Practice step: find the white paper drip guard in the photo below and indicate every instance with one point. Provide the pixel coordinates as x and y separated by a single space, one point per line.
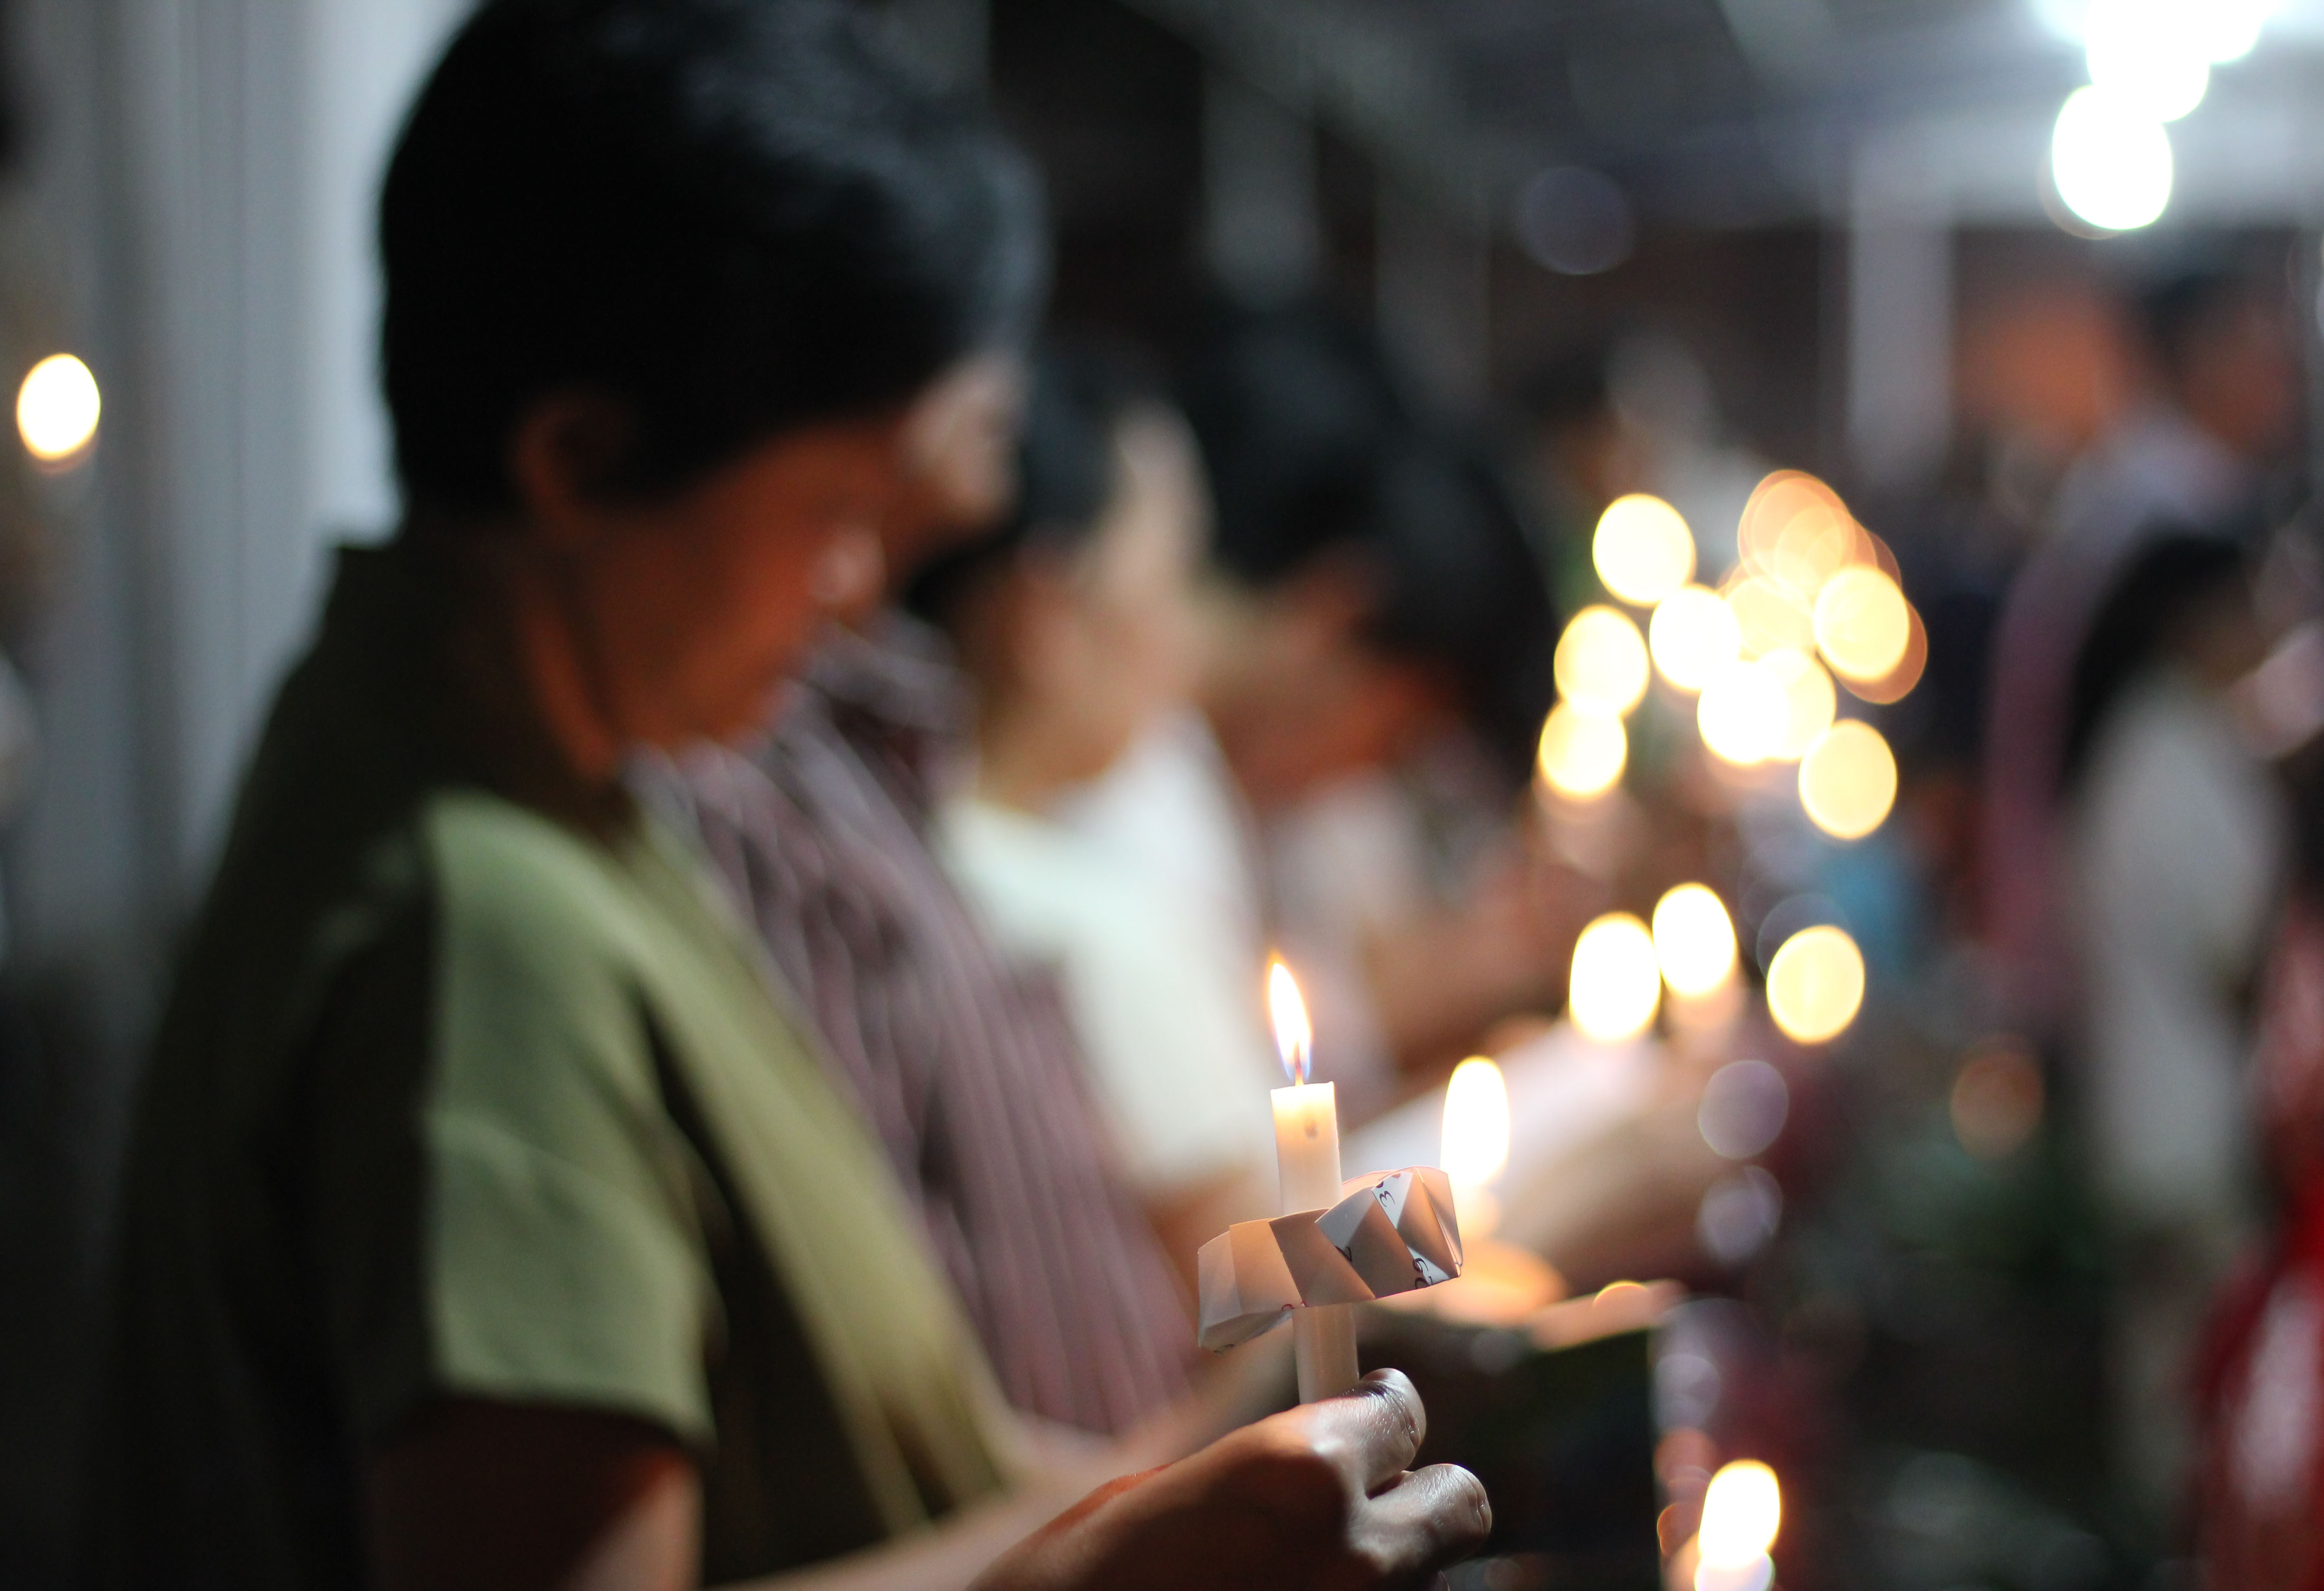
1391 1232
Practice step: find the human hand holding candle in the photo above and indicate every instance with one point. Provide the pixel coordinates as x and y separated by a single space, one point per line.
1307 1171
1311 1497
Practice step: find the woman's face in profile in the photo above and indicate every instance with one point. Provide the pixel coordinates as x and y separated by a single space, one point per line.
688 611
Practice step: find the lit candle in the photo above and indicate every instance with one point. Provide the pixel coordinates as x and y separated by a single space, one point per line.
1307 1169
1476 1143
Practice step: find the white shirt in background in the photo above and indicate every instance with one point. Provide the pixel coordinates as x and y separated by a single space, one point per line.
1159 968
2182 847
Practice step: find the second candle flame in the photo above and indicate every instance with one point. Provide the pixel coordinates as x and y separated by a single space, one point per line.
1294 1037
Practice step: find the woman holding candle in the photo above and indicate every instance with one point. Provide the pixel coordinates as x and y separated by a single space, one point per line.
488 1225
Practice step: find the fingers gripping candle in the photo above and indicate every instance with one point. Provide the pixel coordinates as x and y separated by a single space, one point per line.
1308 1168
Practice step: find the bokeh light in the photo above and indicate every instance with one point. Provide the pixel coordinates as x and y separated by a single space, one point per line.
1997 1097
1694 939
1816 545
1899 681
1743 713
1861 623
1615 984
2229 29
1575 220
1643 549
2151 56
1847 780
1815 984
1601 661
1738 1217
1769 614
1742 1514
1582 752
1743 1109
1809 702
1792 506
1693 635
1476 1145
57 408
2111 163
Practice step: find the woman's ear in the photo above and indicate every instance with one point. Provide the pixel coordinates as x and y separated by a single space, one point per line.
568 451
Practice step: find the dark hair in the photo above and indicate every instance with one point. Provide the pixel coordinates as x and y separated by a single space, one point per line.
1293 410
1461 584
2174 576
1067 473
732 216
1312 453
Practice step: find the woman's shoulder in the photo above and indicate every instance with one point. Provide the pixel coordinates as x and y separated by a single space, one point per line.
538 896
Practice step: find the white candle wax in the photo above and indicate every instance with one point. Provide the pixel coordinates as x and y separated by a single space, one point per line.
1308 1146
1308 1168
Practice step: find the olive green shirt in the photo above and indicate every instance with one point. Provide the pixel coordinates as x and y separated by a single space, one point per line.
456 1097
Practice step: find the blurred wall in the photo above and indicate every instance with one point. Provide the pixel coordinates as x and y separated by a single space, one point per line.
201 174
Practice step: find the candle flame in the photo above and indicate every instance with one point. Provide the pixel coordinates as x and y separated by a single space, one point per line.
1741 1514
1295 1039
1476 1145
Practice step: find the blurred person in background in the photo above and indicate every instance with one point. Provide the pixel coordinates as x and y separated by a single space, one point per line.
1579 453
1369 603
2179 841
488 1223
1638 414
1075 620
2221 414
2261 1382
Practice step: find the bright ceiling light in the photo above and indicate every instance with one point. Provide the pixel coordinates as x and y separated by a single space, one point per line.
2111 165
2225 30
2230 29
2152 55
2069 20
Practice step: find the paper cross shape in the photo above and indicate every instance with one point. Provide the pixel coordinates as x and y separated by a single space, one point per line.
1391 1232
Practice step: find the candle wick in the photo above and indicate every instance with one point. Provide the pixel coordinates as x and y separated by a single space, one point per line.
1311 1129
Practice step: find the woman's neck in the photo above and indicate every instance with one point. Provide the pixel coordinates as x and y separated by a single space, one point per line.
1016 767
539 723
555 660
